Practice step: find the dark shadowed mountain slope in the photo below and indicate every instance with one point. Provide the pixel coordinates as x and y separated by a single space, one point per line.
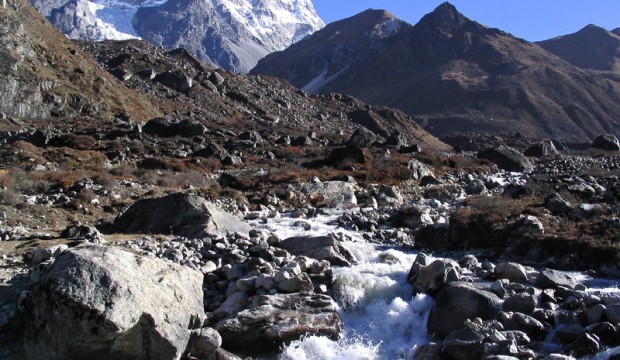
45 75
338 48
453 74
590 48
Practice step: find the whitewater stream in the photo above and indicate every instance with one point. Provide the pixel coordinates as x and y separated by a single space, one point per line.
381 317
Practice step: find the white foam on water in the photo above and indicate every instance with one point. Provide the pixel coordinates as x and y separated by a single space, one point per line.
381 317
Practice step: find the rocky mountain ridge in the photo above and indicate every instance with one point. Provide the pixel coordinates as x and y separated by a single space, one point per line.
589 48
232 34
50 77
455 75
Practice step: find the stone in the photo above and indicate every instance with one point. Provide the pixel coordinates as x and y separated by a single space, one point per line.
542 148
176 80
432 278
40 255
549 278
216 78
409 149
595 313
347 156
557 205
430 351
421 260
319 248
419 170
332 194
101 302
475 187
292 283
522 322
530 225
205 343
122 74
457 302
363 138
270 321
463 345
607 142
507 158
612 312
180 214
389 196
468 262
512 271
411 217
585 344
83 232
170 128
523 303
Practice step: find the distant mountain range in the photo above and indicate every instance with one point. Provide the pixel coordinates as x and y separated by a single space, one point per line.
590 48
232 34
453 74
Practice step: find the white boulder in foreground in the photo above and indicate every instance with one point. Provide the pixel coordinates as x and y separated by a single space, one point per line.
101 302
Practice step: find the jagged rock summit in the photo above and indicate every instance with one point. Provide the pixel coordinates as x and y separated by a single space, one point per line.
232 34
453 75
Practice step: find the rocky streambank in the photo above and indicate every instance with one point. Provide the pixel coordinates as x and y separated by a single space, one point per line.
250 288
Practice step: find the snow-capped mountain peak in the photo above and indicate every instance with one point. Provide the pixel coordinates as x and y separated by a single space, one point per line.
233 34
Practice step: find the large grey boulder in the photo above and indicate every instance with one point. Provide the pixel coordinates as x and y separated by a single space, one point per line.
100 302
542 148
180 214
319 247
457 302
512 271
176 80
171 128
463 345
507 158
607 142
332 194
363 138
432 278
549 278
270 321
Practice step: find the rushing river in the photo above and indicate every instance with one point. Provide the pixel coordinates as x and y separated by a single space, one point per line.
381 317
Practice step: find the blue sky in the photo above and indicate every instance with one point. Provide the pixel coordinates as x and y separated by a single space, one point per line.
532 20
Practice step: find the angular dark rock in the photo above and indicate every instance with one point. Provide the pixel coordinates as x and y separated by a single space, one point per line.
166 128
363 138
463 345
457 302
549 278
523 303
607 142
271 321
176 80
180 214
507 158
320 248
542 148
